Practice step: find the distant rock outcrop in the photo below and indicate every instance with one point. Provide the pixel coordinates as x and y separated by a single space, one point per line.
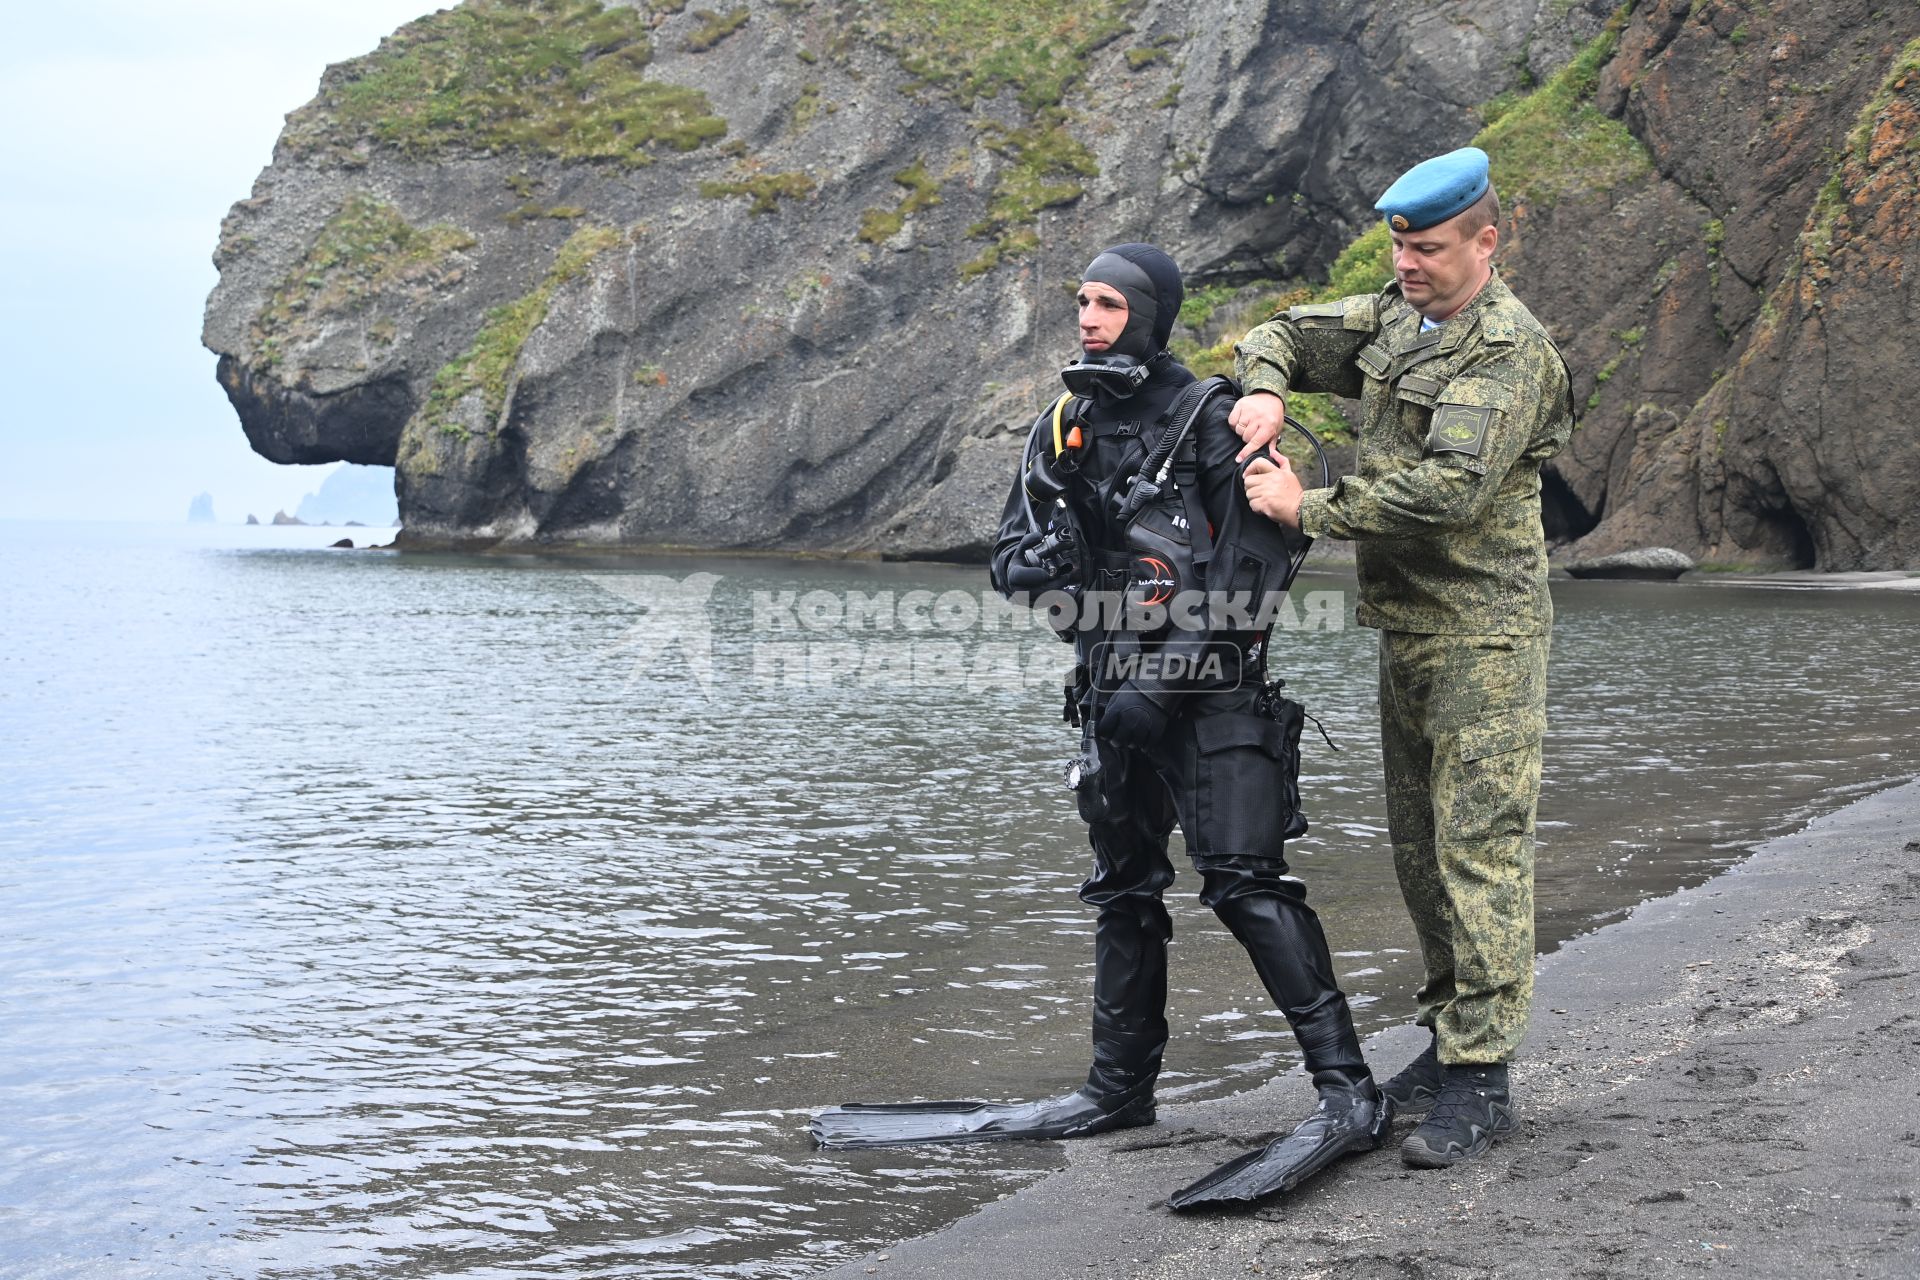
352 494
281 517
795 275
200 510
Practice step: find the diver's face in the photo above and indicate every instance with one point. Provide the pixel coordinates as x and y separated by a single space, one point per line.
1103 314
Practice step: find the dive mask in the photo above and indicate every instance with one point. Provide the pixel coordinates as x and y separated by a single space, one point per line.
1118 376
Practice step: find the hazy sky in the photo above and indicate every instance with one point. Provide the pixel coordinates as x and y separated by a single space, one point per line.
127 127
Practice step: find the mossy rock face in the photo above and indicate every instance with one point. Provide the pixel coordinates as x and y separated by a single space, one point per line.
486 367
365 251
975 49
715 27
1046 167
880 225
765 190
978 50
563 78
906 178
1554 142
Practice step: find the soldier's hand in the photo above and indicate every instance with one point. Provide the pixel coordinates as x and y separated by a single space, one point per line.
1257 419
1273 489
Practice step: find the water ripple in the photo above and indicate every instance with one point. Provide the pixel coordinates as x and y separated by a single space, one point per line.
367 916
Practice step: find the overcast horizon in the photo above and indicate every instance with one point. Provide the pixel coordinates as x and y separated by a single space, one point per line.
148 126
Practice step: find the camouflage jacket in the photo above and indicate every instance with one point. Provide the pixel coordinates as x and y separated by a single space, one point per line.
1455 423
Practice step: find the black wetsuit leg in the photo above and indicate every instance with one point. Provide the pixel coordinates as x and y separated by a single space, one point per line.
1221 763
1219 766
1130 938
1130 873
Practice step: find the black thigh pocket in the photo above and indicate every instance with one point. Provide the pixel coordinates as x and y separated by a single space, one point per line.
1249 783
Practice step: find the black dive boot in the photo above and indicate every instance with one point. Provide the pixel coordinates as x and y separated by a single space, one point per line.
1472 1110
1269 915
1415 1086
1129 1037
1352 1116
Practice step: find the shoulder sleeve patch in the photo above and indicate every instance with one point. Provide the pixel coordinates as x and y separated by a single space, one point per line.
1459 428
1360 313
1316 311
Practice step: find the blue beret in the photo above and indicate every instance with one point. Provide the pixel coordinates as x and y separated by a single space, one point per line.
1434 190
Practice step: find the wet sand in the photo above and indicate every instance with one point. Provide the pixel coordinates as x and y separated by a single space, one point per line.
1724 1080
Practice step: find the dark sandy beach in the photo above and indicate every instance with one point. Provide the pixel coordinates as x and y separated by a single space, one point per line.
1726 1079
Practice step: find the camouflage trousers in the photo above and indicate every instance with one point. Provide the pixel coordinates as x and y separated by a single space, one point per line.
1461 719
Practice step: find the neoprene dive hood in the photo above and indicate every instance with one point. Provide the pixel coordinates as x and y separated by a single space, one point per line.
1150 282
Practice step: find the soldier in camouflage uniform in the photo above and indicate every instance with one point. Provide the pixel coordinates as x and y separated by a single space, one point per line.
1463 397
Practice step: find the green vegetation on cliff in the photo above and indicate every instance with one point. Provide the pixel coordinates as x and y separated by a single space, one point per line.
880 225
1858 160
487 365
554 77
1364 266
363 250
766 190
975 49
1553 142
1044 166
715 27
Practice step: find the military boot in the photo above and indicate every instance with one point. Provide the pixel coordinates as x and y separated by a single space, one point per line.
1471 1111
1415 1086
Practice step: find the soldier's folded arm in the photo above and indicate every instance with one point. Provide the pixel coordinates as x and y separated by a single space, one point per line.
1482 422
1308 348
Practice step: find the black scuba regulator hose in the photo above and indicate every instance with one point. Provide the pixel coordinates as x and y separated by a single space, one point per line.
1326 480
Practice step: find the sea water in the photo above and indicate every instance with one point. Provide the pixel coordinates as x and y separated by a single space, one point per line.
374 914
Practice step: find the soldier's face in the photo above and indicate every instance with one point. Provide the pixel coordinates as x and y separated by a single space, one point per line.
1103 314
1441 268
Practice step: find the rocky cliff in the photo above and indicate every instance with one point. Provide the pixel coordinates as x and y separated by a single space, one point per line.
796 274
1737 315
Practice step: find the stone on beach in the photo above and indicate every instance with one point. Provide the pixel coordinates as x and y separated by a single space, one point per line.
1653 563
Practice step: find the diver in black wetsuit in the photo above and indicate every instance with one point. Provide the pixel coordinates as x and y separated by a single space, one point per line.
1129 503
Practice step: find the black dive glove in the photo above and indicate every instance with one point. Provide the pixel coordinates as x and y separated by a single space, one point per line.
1050 575
1132 719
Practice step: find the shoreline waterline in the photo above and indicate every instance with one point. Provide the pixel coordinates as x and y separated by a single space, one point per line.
1674 1052
1331 559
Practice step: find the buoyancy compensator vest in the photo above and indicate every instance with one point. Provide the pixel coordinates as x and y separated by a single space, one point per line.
1124 500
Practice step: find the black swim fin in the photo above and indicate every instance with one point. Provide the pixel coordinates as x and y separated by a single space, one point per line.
1346 1121
900 1124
